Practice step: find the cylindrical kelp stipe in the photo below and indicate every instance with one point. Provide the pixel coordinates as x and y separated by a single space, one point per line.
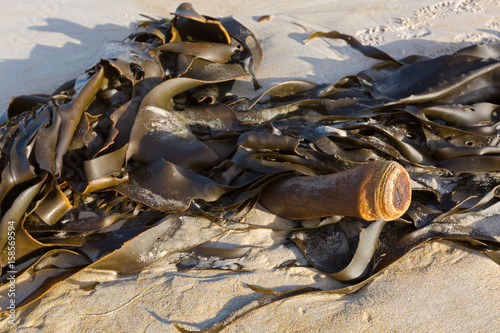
377 191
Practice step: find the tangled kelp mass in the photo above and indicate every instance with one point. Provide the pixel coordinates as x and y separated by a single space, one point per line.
149 139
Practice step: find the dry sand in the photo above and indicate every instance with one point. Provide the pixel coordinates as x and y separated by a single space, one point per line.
436 288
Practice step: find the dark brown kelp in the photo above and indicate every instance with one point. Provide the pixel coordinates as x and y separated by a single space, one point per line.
113 164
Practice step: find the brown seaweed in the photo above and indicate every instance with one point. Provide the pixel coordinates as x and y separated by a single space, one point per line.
119 162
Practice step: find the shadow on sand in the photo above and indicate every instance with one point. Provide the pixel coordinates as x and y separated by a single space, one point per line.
47 67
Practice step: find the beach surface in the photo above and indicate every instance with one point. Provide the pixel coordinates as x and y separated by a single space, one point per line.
438 287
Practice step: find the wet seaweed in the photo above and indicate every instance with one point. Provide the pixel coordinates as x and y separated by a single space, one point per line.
111 169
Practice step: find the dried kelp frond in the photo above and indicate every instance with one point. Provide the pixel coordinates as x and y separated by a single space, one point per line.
146 154
83 169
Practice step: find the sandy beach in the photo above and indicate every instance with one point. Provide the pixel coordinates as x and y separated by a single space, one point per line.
438 287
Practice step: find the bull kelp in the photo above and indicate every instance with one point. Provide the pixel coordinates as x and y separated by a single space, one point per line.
149 139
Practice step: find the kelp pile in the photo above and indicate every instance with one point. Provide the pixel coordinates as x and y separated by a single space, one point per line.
119 160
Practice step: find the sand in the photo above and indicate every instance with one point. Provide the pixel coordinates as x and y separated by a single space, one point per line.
436 288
